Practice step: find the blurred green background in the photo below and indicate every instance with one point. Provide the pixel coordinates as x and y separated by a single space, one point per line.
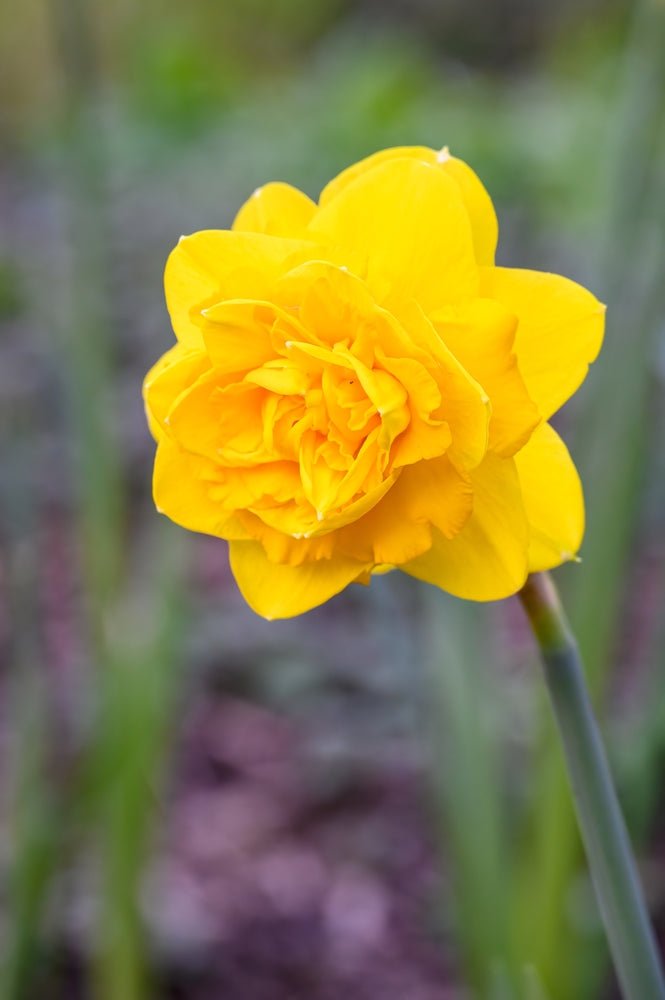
367 802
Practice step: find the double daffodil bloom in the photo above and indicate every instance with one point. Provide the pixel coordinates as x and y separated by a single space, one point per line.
357 387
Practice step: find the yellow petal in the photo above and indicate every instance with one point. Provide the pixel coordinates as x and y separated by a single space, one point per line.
338 184
175 372
331 493
332 302
487 560
465 405
484 224
406 232
282 548
275 209
553 499
559 332
241 334
218 264
238 489
424 437
280 591
181 491
337 307
223 424
235 336
280 376
399 528
481 334
299 521
478 204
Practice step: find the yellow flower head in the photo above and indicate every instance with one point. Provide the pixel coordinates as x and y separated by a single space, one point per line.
355 386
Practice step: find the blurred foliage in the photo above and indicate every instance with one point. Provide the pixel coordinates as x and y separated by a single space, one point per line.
139 691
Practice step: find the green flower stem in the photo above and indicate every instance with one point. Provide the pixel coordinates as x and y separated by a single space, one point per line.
601 823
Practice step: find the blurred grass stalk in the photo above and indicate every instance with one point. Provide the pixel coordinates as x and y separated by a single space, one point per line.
135 645
643 735
610 440
35 832
34 804
466 790
138 686
89 349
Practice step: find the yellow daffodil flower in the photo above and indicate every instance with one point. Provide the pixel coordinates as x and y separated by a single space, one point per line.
357 387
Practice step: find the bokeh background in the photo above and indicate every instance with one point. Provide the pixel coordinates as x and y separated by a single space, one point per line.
366 802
